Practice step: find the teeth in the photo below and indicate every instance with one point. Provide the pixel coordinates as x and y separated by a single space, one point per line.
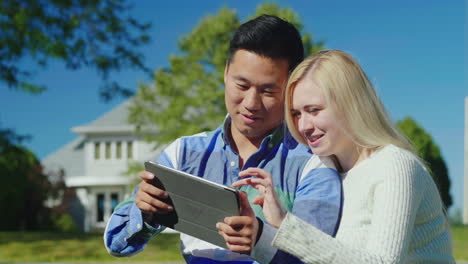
313 138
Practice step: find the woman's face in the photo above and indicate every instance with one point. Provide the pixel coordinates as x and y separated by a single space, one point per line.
315 121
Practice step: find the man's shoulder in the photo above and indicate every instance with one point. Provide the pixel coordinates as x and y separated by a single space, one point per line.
201 138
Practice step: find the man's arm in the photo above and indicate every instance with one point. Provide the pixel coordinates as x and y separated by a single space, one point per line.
318 198
127 233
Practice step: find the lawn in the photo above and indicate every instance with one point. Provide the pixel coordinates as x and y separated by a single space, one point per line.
58 247
460 242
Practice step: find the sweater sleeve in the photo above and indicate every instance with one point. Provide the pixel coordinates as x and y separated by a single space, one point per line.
395 202
317 202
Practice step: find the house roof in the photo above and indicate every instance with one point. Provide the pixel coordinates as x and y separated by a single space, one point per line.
114 121
70 158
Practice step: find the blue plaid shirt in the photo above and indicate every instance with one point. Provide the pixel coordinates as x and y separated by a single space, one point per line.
307 187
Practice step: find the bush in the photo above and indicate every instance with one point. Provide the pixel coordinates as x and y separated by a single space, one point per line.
64 223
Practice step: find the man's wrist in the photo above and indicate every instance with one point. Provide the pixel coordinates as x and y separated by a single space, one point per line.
147 217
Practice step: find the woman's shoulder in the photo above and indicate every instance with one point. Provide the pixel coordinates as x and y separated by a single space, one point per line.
397 161
392 154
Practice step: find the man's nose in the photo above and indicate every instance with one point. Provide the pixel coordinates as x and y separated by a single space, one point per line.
252 99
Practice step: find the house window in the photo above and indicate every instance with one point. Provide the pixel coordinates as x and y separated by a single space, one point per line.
114 201
97 151
100 207
108 150
118 153
130 150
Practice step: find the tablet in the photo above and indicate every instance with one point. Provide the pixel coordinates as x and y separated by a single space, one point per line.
198 203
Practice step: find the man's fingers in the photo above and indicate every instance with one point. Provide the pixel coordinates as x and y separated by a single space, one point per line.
235 240
234 230
154 191
146 175
239 248
246 209
259 199
148 208
238 220
157 205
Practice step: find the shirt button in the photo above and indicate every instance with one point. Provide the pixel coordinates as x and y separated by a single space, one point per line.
233 164
138 226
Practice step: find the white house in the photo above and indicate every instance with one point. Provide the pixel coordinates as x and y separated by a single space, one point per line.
95 162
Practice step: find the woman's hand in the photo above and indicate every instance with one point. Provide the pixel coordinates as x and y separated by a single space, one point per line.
261 180
240 232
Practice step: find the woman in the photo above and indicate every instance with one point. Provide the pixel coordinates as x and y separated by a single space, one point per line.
392 211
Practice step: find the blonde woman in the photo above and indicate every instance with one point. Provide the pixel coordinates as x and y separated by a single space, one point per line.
392 211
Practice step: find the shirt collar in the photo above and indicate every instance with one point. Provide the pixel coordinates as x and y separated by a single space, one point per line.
273 139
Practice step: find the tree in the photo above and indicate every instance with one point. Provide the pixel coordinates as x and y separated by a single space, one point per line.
430 153
24 187
81 33
187 97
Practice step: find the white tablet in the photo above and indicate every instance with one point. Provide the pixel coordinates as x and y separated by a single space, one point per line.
198 203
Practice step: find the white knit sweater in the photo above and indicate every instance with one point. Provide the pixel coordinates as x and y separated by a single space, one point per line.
392 213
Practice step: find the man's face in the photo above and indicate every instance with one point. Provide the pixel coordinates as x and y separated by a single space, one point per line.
254 93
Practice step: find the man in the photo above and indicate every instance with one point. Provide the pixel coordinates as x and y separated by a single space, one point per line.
262 53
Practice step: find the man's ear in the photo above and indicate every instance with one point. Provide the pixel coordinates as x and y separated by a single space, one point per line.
226 69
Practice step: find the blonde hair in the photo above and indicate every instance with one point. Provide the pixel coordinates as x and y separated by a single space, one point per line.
352 99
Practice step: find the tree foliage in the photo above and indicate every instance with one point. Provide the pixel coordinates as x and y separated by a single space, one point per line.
24 187
82 33
187 97
430 153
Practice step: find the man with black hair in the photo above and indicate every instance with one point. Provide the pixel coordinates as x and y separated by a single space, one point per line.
262 53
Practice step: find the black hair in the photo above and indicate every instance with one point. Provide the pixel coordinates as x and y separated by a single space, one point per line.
271 37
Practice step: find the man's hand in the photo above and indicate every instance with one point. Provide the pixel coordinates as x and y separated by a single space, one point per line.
240 232
149 198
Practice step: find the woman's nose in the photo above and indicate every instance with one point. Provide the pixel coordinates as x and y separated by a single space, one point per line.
305 123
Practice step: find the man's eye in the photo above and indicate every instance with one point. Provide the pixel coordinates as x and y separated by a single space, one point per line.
242 86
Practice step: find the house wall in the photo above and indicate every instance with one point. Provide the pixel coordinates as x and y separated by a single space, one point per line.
109 166
110 169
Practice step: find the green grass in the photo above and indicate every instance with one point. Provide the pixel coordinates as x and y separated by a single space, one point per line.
460 242
58 247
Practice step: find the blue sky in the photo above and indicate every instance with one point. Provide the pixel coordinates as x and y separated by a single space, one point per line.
413 51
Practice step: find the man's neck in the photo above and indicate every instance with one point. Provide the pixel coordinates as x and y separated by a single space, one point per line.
245 146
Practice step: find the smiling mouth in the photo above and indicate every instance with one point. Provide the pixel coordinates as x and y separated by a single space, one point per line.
314 138
250 119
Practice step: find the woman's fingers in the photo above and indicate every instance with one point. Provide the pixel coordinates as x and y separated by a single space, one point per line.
258 184
256 172
242 182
